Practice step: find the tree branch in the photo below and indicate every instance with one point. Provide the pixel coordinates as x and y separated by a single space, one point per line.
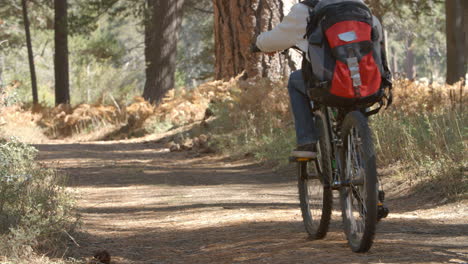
194 5
202 10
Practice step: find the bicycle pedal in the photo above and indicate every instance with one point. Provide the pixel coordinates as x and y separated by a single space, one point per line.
296 159
382 211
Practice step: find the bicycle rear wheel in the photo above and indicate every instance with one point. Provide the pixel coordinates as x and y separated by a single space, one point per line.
359 199
315 194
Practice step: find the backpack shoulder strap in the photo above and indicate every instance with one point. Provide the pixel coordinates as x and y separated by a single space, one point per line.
310 3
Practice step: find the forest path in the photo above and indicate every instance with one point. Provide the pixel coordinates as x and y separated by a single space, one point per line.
144 204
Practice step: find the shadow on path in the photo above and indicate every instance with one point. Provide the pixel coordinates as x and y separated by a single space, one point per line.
282 242
125 164
146 205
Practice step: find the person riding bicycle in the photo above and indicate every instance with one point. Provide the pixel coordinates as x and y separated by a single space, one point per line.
291 32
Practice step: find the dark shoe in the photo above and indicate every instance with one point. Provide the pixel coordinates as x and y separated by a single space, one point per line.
306 151
382 211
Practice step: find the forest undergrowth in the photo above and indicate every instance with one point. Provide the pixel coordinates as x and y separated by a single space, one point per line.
36 210
422 137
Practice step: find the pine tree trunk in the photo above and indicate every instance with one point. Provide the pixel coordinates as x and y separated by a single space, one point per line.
410 67
62 86
237 23
394 63
162 22
149 67
465 25
32 69
456 40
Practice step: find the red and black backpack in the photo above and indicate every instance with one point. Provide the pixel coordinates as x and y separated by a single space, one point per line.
345 65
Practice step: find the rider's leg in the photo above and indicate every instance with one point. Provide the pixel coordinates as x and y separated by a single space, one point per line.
306 133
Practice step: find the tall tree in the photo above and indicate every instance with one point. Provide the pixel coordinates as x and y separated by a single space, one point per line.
237 23
465 22
32 68
162 22
417 7
196 41
457 58
62 86
410 60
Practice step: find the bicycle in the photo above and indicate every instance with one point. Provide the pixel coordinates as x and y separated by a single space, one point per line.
345 162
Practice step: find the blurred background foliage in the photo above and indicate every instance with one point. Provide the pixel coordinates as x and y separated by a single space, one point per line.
106 49
107 46
417 42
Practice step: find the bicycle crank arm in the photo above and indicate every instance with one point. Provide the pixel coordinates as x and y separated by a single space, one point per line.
339 184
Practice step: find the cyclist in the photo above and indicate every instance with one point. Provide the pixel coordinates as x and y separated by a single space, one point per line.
290 32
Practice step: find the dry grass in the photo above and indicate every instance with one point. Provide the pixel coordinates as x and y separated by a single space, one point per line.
14 121
22 124
181 107
65 121
254 119
425 133
118 120
416 97
39 260
426 119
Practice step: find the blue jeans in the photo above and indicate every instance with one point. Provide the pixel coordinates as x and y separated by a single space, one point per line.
306 132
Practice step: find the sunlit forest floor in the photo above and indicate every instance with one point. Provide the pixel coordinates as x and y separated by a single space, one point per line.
194 180
145 204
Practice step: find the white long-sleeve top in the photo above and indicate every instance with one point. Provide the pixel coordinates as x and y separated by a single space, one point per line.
288 33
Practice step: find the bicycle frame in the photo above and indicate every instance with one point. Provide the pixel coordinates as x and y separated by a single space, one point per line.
334 118
336 142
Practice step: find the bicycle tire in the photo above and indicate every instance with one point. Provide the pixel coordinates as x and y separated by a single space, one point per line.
359 165
315 194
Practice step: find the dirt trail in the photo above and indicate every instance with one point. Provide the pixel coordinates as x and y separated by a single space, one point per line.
146 205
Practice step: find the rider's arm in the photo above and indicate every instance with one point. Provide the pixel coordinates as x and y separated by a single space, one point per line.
286 34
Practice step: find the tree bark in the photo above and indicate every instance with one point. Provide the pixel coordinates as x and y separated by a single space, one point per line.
465 31
162 22
62 86
456 40
237 23
395 70
32 68
149 66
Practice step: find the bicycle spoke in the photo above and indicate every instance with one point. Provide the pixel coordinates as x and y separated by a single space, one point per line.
315 191
315 199
354 170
